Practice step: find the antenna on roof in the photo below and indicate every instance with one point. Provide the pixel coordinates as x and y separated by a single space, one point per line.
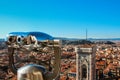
86 34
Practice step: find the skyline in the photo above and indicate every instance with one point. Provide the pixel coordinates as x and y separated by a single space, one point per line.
64 18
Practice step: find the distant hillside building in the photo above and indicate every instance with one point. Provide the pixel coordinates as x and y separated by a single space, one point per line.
85 63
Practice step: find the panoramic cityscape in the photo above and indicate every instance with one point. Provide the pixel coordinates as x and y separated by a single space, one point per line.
60 40
102 60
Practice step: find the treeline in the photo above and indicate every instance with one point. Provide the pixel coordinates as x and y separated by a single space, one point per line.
78 42
104 42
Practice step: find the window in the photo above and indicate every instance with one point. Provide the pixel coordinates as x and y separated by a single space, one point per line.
84 71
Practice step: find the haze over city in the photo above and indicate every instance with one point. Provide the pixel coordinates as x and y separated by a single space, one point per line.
61 18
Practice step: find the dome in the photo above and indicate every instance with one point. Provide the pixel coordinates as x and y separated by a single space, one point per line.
39 35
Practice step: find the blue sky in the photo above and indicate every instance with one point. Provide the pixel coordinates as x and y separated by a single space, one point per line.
61 18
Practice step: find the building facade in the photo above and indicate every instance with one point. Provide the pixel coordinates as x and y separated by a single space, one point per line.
85 63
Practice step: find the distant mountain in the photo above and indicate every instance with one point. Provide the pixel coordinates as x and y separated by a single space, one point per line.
63 38
91 39
76 41
104 39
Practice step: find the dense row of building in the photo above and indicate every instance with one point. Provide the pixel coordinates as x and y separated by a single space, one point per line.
107 63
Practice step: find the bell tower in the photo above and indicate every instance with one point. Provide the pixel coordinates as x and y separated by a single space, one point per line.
85 63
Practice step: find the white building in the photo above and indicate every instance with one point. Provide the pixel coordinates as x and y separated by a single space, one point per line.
85 63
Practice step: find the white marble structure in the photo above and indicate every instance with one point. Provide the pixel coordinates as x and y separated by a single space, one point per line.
85 63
